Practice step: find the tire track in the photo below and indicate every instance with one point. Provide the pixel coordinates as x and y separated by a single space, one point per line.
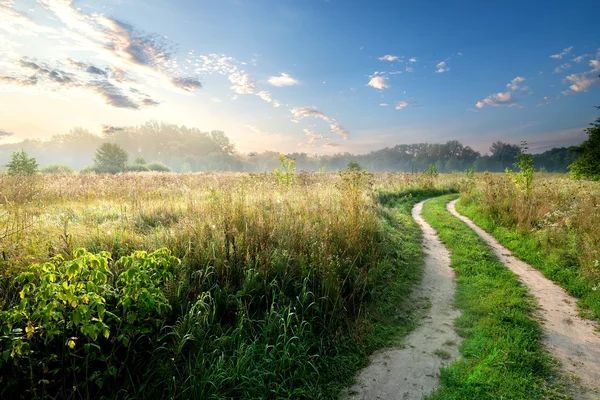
413 371
574 341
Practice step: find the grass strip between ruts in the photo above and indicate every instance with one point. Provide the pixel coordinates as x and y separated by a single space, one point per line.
502 351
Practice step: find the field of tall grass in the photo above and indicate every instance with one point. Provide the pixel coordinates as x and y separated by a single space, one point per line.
216 285
554 227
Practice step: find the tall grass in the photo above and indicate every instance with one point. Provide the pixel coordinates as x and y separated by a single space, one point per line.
275 291
556 227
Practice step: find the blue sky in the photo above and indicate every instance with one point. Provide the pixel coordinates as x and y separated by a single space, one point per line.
304 75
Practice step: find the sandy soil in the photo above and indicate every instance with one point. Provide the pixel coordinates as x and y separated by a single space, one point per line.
413 371
574 341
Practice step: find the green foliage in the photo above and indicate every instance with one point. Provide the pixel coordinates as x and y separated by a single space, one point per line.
57 169
79 320
21 164
136 168
587 165
353 165
285 175
429 177
110 158
503 355
88 170
158 167
523 179
139 161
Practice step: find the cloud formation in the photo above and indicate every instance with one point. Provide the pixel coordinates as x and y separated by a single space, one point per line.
125 50
563 53
545 100
562 68
402 105
378 82
390 58
313 138
506 99
300 113
586 80
282 80
4 134
442 67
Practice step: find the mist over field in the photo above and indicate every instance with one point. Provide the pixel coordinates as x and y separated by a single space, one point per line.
185 149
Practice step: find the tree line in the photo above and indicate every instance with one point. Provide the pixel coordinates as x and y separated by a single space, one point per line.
182 149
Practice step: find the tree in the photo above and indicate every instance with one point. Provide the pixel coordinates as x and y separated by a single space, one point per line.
503 155
139 161
110 158
587 165
353 166
22 164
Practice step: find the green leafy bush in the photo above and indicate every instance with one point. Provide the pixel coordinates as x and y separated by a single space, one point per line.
158 167
57 169
79 320
136 168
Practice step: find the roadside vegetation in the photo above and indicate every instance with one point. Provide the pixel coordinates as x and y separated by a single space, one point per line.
555 227
153 285
503 355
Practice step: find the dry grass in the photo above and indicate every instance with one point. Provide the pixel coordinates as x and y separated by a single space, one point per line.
560 213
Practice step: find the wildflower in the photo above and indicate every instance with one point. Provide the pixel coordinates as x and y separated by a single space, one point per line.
213 226
278 201
108 233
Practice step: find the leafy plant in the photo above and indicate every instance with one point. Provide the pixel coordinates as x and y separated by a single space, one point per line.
285 175
57 169
22 164
80 318
523 179
158 167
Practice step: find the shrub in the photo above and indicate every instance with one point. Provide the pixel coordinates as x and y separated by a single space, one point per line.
88 170
78 321
57 169
136 168
158 167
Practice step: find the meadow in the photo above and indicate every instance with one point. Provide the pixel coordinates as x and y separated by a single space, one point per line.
205 285
271 285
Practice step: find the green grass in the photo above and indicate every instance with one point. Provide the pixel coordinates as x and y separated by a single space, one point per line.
502 351
551 261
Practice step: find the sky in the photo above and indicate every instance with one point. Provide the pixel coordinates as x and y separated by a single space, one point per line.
314 76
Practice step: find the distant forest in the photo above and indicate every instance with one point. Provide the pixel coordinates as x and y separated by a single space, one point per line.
191 150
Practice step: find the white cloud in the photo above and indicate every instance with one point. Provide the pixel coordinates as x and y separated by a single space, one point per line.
441 67
584 81
581 58
409 69
497 99
300 113
514 83
215 99
312 137
403 104
561 68
255 129
563 53
283 80
378 82
384 104
545 101
266 96
413 59
390 58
